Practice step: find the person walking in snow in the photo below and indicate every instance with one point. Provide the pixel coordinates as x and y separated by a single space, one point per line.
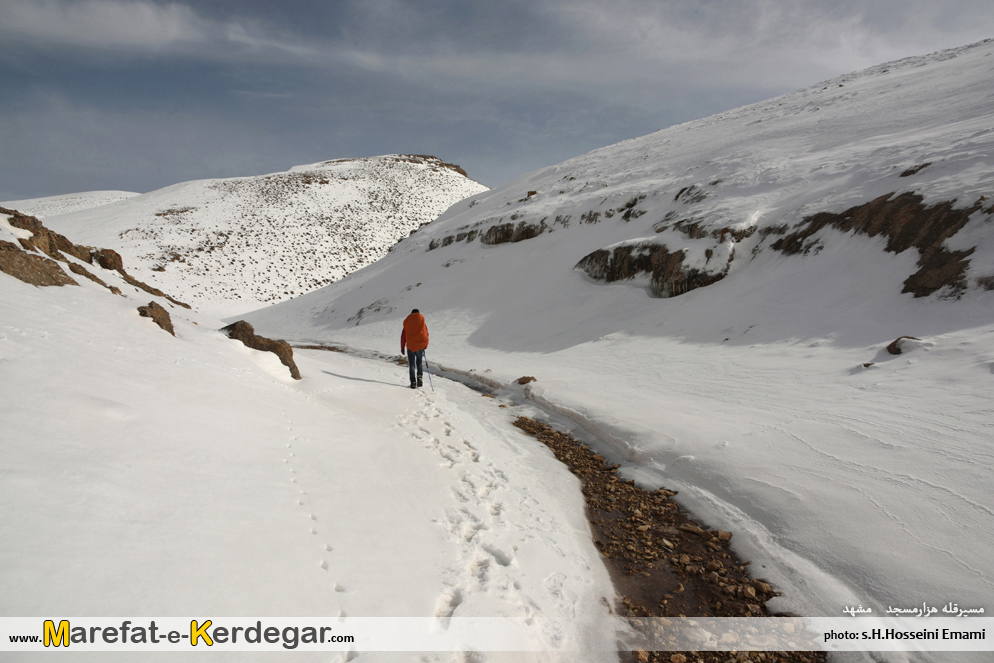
415 337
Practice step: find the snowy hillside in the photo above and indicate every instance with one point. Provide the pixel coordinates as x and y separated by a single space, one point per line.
712 303
67 203
150 474
231 245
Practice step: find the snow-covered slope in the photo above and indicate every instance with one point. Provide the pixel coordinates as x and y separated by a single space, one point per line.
231 245
67 203
758 262
145 474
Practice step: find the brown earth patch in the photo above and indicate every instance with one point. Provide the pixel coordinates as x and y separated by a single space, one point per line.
907 222
243 331
663 563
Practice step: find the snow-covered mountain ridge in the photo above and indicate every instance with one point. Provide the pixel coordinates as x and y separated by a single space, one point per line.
689 204
42 208
231 245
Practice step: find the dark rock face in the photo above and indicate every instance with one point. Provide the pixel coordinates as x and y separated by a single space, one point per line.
895 346
907 222
159 315
668 277
109 259
244 332
31 267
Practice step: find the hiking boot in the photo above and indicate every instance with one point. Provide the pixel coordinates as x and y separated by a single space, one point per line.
414 386
419 380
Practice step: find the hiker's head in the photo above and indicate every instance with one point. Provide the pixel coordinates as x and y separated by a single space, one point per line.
415 311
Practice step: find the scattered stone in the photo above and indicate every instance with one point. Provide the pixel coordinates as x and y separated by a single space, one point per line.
678 658
641 655
525 379
244 332
159 315
659 577
895 346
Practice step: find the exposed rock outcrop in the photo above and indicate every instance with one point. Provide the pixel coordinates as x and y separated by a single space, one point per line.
150 290
44 240
31 267
907 222
244 332
668 276
57 247
76 268
108 259
509 232
159 315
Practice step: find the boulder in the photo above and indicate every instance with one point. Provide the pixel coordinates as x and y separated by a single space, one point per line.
895 346
159 315
244 332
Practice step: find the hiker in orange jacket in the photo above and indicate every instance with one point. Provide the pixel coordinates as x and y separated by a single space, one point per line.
415 337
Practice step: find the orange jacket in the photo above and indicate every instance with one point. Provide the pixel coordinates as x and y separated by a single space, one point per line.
415 334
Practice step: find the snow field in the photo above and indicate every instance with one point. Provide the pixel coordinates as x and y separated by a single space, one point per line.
146 474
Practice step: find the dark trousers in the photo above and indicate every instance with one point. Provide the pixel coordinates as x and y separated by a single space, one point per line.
412 358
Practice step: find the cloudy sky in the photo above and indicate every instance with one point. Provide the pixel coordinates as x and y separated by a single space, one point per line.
139 94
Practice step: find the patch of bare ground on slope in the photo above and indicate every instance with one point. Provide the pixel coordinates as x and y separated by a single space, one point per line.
662 562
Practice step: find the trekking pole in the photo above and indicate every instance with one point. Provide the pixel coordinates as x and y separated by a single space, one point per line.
428 370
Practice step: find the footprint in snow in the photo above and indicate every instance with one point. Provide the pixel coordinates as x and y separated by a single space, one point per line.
447 602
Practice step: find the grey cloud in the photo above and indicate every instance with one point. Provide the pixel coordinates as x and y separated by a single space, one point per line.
500 86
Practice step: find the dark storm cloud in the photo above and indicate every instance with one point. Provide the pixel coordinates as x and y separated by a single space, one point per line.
135 94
